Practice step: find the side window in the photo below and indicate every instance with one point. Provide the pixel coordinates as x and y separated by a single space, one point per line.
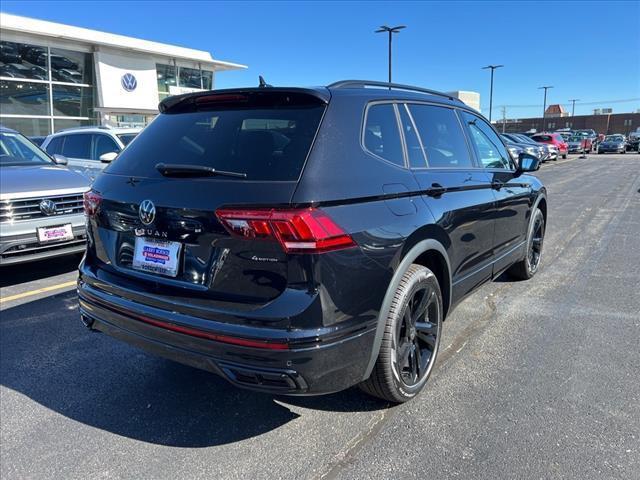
442 136
103 144
77 146
381 135
489 148
55 145
414 149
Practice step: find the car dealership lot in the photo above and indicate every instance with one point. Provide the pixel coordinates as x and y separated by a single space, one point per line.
541 382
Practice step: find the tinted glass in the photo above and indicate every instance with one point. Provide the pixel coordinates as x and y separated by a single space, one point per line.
77 146
166 77
489 148
71 67
16 150
55 145
72 101
103 144
190 78
414 149
381 135
207 80
264 143
24 98
542 138
125 138
27 126
23 60
442 137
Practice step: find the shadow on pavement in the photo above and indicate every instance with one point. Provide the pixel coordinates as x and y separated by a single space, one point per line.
88 377
28 272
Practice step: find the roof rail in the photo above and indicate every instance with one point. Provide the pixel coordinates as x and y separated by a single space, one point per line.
390 86
84 127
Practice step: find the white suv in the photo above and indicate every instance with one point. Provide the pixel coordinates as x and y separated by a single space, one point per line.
89 149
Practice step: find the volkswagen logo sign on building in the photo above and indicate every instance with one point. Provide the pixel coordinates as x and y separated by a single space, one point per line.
129 82
48 207
147 212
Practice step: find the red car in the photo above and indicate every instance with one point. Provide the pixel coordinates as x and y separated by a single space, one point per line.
553 139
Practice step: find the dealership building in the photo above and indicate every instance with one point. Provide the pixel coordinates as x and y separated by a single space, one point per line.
55 76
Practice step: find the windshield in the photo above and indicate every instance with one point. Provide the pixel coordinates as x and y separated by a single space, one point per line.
126 138
575 139
613 138
267 144
17 150
543 138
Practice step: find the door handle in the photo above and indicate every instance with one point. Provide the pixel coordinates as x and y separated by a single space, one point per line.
435 190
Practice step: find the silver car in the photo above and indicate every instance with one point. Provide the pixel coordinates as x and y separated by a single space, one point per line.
41 203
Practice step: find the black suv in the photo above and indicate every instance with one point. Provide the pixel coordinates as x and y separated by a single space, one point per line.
301 241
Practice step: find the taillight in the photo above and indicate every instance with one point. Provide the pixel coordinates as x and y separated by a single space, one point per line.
306 230
92 201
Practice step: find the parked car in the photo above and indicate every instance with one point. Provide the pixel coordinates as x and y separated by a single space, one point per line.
554 139
633 142
544 151
591 134
41 204
37 140
613 144
231 235
89 149
579 144
516 147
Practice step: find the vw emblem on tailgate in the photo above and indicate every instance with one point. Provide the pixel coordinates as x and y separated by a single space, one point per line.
48 207
147 212
129 82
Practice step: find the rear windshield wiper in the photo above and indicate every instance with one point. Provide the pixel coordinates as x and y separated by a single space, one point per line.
178 170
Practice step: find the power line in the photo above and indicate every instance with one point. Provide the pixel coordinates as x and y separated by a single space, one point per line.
599 102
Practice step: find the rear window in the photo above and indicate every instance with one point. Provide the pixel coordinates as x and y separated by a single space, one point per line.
126 138
542 138
267 144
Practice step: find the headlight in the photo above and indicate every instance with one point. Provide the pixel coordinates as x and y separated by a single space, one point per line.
530 150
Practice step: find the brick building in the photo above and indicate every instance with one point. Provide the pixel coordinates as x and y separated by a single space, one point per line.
612 123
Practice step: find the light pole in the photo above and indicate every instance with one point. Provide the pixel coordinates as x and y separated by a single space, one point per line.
390 31
492 67
544 108
573 105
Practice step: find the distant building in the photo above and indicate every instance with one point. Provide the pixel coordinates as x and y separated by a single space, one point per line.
603 111
472 99
554 111
623 123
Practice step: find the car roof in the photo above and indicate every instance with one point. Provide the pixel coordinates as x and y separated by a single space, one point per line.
4 129
98 129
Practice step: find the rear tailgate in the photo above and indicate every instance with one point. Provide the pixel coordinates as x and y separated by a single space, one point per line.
158 233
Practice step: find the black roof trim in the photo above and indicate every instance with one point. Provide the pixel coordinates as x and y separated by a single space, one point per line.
390 86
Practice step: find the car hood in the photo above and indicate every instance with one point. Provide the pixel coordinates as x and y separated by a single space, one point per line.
40 180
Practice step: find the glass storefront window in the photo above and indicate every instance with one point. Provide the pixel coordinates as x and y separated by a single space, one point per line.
71 67
24 98
22 60
190 78
207 80
62 123
71 101
166 77
30 127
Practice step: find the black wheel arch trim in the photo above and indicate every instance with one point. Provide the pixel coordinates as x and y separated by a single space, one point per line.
409 258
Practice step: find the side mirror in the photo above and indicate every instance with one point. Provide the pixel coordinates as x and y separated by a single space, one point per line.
108 157
60 159
528 163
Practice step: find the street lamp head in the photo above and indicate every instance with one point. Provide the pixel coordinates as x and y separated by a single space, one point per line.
385 28
492 67
545 87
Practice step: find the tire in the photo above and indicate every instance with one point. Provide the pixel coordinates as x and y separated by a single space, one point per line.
528 266
564 156
412 330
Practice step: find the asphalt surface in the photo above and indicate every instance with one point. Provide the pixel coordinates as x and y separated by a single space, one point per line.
536 379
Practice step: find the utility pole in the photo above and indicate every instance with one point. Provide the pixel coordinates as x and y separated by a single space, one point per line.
492 67
544 108
573 105
390 31
504 117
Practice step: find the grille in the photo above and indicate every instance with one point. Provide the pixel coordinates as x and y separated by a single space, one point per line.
29 208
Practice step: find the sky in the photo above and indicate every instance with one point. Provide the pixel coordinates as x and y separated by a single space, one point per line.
587 50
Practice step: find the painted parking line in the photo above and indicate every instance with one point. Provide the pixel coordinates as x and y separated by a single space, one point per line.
30 293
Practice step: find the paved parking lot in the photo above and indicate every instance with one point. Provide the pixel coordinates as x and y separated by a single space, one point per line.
537 379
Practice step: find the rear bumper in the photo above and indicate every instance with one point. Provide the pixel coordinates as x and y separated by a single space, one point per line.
312 362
